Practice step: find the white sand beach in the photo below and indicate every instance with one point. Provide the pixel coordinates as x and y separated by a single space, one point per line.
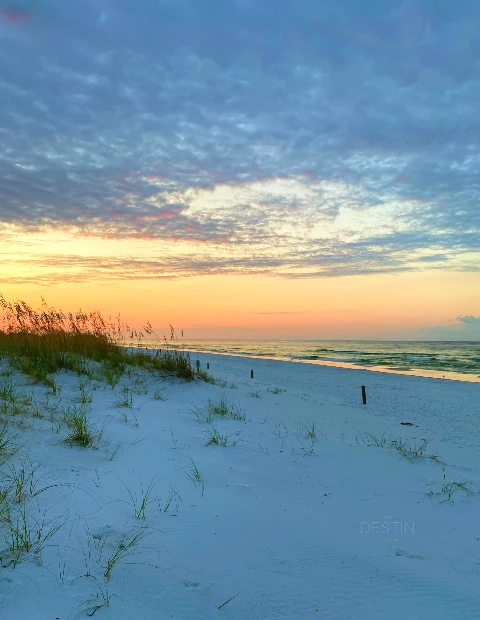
299 516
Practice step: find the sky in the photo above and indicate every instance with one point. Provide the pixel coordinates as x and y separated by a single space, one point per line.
245 168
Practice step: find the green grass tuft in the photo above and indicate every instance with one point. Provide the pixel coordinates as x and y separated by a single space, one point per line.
402 446
81 430
215 438
451 489
194 474
126 400
224 408
140 503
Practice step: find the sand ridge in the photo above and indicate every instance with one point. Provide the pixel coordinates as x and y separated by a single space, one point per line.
298 517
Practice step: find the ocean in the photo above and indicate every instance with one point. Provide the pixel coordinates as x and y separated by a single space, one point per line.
453 360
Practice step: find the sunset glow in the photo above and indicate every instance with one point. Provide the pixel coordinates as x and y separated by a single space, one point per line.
298 190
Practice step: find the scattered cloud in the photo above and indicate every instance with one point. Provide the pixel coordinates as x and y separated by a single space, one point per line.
312 141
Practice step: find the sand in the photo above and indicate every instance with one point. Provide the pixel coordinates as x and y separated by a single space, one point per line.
283 524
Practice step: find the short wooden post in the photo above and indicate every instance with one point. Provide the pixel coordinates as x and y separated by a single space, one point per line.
198 366
251 374
364 395
208 366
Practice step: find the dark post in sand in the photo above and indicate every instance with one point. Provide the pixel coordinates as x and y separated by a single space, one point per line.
251 374
364 395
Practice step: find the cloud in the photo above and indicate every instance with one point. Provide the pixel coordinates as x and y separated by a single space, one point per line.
469 319
246 128
296 312
466 328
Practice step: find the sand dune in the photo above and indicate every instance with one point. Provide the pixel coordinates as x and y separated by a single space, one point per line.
299 515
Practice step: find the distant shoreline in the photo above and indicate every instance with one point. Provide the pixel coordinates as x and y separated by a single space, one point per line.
414 372
426 374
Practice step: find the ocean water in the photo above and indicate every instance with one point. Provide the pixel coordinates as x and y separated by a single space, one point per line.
435 359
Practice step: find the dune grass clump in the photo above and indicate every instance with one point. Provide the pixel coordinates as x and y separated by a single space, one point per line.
170 361
215 438
225 409
203 415
112 371
209 378
24 534
81 431
126 399
454 488
310 430
410 451
8 448
41 343
23 482
194 473
141 502
13 402
85 395
221 408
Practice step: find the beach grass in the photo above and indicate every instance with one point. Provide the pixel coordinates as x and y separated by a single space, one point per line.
219 408
225 408
24 534
141 502
209 378
8 447
124 549
101 598
451 489
43 342
172 494
126 399
81 430
194 473
215 438
402 446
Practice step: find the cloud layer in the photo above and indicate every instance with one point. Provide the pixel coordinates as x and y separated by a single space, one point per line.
300 139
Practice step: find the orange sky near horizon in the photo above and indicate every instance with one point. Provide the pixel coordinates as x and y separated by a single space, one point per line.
377 306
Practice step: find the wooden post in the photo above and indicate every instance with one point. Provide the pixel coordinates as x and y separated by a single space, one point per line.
198 365
364 395
251 374
208 366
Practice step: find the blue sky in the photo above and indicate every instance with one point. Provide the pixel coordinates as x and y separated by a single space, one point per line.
296 138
